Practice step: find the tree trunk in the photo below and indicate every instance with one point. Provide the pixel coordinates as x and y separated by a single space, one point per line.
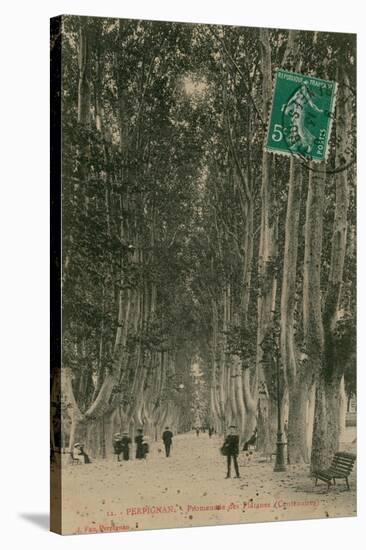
250 401
326 421
342 411
297 440
268 239
331 370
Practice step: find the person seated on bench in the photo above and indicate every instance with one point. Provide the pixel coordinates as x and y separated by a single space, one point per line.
80 455
74 453
251 442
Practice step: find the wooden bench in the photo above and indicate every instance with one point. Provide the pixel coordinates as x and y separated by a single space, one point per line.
341 468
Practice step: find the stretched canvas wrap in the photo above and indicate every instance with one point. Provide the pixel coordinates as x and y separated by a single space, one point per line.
203 271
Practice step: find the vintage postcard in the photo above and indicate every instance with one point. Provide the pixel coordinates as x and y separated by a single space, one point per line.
203 275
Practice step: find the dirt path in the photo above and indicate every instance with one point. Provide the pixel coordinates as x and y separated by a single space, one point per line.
190 489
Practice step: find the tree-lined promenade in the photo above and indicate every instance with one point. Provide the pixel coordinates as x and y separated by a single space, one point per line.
190 489
193 261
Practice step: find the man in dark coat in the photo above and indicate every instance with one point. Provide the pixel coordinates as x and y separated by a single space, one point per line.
145 446
125 444
139 444
83 454
117 445
231 450
168 439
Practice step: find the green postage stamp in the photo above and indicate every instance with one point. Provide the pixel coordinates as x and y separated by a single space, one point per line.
301 115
